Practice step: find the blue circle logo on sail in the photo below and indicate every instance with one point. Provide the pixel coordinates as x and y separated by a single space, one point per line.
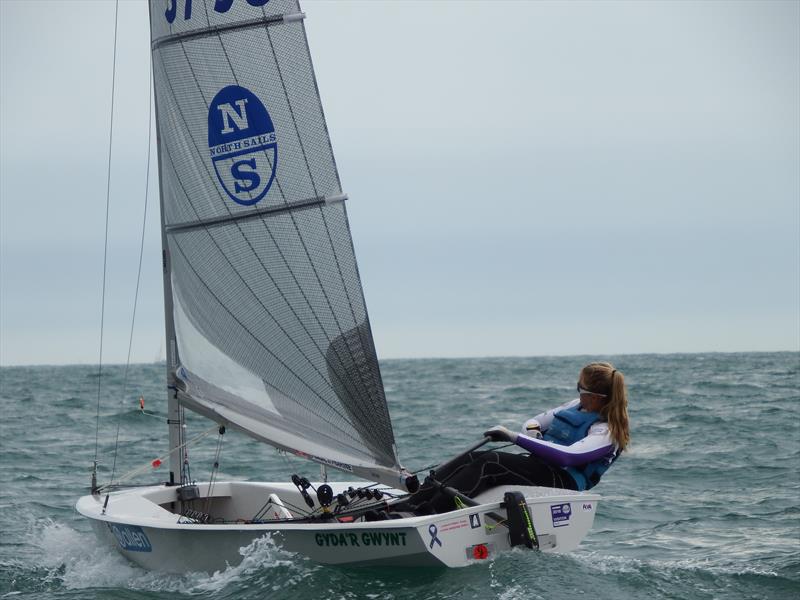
242 144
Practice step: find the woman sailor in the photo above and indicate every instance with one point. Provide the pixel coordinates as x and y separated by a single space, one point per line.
570 446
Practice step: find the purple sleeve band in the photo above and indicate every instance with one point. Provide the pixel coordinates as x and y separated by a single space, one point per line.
558 456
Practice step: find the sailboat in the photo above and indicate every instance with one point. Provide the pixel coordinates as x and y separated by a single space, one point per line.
267 330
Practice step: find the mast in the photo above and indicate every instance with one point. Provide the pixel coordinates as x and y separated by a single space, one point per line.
174 421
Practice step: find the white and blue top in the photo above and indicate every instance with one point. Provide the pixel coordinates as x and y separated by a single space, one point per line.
573 439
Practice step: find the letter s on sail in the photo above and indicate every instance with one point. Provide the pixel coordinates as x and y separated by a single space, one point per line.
250 176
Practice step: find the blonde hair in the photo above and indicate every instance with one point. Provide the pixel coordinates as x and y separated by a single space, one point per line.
603 378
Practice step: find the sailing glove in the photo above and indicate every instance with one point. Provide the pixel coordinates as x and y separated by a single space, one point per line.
533 429
498 433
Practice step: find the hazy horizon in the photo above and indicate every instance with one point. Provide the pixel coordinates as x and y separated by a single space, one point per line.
406 358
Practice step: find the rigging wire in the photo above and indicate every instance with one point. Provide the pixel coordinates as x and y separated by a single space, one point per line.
215 469
105 244
139 271
186 469
160 459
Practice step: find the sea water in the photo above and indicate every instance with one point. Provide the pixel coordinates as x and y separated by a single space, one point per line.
706 504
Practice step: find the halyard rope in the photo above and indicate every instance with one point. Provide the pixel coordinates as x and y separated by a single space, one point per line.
139 272
105 245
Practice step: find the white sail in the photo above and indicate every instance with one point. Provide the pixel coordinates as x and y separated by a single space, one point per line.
267 325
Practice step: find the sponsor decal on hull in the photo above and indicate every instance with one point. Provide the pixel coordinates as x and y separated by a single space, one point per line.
131 537
560 514
452 525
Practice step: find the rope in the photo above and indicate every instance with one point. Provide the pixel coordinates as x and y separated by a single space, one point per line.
145 467
433 466
149 414
186 470
214 470
105 244
139 272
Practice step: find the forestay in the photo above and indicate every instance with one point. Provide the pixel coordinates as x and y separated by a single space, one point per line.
270 326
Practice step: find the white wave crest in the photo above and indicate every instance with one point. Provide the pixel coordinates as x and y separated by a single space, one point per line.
606 564
78 560
263 553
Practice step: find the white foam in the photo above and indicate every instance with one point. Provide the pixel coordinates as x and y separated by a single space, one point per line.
606 564
79 561
76 558
262 553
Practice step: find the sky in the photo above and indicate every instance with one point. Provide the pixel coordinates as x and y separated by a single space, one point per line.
523 178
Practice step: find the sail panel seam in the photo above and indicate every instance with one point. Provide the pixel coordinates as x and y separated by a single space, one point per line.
363 389
314 391
366 347
376 371
267 312
358 391
266 349
188 397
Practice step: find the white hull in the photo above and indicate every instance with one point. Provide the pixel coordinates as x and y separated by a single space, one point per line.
141 526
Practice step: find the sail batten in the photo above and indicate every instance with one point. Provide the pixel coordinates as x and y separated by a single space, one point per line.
249 24
296 205
270 320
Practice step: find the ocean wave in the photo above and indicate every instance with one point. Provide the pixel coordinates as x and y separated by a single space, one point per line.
78 561
609 564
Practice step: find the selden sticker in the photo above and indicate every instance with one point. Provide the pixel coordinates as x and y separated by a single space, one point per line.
560 514
131 537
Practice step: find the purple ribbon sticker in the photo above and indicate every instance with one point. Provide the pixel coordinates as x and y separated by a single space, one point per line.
433 530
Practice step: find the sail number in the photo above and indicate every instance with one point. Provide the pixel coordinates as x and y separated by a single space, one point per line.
220 6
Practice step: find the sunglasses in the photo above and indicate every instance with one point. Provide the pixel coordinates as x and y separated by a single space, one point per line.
584 391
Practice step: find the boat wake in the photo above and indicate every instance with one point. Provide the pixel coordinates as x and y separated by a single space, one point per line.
609 564
73 560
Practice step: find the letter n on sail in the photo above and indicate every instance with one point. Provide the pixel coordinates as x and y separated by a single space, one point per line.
242 144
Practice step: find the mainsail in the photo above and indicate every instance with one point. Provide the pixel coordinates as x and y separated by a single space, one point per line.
266 320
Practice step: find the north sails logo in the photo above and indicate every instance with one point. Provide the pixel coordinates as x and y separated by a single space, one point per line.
242 144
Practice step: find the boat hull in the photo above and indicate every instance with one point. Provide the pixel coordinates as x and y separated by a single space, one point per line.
139 524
